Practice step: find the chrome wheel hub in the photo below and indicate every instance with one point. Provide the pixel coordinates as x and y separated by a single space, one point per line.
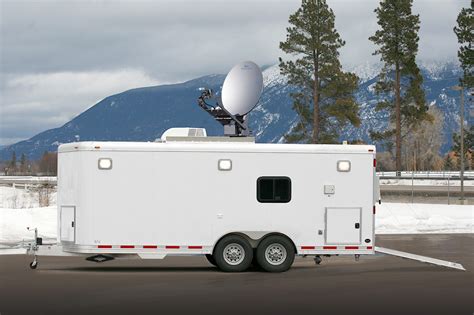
234 254
275 254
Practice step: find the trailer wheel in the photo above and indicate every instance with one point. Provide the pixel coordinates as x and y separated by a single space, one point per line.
211 259
275 254
33 265
233 254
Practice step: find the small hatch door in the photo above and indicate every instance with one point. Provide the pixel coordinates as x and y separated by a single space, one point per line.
68 224
343 225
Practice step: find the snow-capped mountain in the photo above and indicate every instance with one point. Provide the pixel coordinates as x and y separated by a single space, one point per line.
144 114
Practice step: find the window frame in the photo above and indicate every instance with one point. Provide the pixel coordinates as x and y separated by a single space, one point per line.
274 178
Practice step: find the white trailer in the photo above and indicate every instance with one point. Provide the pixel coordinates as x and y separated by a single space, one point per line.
228 198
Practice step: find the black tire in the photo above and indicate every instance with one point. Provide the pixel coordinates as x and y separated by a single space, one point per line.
33 265
285 252
211 259
241 250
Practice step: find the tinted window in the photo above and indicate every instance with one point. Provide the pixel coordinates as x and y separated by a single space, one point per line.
273 189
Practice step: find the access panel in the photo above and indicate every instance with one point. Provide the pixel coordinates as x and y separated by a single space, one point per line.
343 225
68 215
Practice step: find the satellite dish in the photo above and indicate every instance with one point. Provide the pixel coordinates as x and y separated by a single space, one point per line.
242 88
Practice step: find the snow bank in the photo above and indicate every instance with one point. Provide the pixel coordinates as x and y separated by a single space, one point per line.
17 198
408 218
13 223
391 218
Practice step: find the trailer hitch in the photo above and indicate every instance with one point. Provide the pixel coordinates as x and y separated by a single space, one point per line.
33 248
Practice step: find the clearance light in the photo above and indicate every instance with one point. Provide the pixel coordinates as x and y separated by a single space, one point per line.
344 166
105 164
225 165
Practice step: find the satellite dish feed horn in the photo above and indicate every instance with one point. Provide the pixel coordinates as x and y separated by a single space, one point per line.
241 91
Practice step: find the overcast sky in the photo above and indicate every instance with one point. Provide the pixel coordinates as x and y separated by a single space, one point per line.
57 58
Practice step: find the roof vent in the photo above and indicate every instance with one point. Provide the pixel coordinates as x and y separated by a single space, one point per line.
183 132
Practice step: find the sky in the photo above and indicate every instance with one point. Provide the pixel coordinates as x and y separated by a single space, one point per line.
58 58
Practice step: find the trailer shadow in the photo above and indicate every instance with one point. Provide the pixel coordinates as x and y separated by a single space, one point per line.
136 269
157 269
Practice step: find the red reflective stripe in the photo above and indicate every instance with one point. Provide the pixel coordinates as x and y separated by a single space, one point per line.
371 150
127 246
329 247
352 247
172 247
308 247
194 247
150 246
375 162
104 246
369 247
374 209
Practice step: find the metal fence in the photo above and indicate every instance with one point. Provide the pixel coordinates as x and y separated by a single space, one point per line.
429 187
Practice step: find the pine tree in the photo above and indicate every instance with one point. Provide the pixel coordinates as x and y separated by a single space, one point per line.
400 81
13 161
23 162
465 33
324 98
468 144
449 164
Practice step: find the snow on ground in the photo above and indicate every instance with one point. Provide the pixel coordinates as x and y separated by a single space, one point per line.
13 223
391 218
19 198
414 218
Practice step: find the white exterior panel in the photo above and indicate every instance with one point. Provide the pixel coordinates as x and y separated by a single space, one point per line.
174 194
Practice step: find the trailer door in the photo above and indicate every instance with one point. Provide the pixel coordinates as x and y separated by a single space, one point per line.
68 218
343 225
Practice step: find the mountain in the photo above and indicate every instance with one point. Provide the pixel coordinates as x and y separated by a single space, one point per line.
143 114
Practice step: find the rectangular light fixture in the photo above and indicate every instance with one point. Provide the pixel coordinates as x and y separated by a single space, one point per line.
105 163
344 166
225 165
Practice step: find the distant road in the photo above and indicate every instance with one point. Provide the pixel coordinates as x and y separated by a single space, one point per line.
190 285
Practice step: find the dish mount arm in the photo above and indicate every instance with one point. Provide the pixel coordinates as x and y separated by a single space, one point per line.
234 125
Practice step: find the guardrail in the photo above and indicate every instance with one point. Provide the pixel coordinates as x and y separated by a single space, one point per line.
28 180
468 175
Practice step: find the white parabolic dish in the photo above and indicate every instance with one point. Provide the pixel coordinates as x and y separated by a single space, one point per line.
242 88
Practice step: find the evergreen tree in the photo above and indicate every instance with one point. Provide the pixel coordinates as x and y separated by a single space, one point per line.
324 100
468 144
400 81
465 33
23 162
13 161
449 164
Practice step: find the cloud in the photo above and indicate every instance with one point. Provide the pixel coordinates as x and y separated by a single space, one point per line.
34 102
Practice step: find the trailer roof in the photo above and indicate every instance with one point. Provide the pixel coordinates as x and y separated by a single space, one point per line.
214 147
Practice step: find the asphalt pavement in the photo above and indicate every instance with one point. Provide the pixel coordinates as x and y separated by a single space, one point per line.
189 285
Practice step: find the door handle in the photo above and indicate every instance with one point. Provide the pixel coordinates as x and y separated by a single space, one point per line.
357 225
72 224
